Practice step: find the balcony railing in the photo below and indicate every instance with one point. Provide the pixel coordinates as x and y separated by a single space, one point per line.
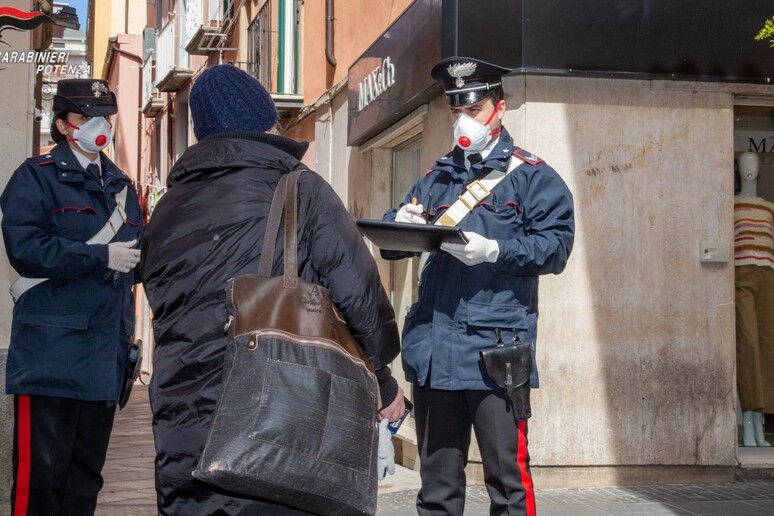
152 101
273 56
273 50
259 41
194 18
215 11
203 30
172 68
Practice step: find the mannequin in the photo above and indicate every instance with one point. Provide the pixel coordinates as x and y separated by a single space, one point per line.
754 250
747 163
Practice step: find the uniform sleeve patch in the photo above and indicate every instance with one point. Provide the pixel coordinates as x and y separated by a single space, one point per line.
526 156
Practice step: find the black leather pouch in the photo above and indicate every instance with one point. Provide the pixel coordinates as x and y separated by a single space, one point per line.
510 366
131 373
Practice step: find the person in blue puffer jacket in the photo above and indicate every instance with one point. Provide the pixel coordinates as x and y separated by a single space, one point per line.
74 309
474 295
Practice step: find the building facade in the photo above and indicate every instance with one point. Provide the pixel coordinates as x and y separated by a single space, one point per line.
642 118
636 343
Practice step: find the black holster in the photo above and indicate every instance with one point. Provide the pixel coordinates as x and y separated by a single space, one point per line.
132 371
510 366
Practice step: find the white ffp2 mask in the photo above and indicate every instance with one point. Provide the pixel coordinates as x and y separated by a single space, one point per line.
471 135
92 135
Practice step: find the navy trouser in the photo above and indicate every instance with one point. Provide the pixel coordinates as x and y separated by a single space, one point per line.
59 449
444 420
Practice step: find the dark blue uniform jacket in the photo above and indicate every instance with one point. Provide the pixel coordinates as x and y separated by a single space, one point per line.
69 334
530 214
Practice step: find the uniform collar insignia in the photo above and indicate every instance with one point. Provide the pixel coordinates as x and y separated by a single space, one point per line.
460 70
98 89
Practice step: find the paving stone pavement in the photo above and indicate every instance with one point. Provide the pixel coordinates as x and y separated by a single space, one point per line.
129 491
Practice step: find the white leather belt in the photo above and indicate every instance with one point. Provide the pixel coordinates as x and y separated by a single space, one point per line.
103 236
474 193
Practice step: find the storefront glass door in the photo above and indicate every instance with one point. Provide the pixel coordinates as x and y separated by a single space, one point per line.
405 273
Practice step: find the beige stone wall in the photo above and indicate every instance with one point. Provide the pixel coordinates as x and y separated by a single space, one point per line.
16 125
636 337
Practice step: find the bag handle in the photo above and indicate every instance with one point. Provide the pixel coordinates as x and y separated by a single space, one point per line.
285 194
272 228
291 215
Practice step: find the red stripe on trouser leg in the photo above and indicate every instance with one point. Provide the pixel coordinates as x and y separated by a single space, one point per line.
521 463
24 449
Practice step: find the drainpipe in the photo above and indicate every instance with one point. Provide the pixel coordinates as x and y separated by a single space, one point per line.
140 61
329 33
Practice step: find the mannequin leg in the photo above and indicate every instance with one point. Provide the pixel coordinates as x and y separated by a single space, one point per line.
752 425
757 423
748 432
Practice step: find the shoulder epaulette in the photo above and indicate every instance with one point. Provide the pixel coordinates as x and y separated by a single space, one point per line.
428 171
43 159
526 156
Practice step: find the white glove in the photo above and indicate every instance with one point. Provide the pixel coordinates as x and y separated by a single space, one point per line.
121 256
411 213
385 457
477 250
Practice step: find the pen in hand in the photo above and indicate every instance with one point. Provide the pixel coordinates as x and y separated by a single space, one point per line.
425 214
411 212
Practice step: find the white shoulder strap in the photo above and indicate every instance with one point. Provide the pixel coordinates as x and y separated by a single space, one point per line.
474 193
103 236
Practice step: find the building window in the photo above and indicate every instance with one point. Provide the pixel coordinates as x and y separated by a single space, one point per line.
406 170
259 36
273 52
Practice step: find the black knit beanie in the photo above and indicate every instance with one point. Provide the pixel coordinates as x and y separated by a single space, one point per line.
225 98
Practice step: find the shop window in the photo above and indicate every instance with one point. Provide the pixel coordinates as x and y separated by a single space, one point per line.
754 274
405 273
754 132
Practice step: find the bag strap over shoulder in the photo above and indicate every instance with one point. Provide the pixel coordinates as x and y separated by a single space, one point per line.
272 228
291 216
285 197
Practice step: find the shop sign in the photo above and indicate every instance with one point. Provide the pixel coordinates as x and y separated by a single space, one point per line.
375 83
392 77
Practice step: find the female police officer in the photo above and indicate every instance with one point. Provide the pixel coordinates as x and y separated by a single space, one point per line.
74 309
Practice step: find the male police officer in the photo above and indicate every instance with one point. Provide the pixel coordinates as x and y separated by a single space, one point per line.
517 215
74 309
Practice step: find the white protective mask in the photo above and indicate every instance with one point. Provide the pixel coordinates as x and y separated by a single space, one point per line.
471 135
93 135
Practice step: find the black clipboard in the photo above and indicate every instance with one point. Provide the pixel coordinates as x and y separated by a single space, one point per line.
403 236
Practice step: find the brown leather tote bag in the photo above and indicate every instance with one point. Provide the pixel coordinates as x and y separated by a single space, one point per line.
296 421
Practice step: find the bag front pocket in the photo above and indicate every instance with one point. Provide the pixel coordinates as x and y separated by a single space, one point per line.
314 413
